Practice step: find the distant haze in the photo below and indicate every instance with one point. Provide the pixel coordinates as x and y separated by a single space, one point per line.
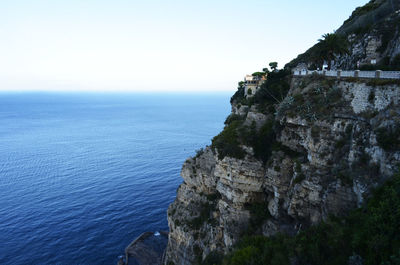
125 45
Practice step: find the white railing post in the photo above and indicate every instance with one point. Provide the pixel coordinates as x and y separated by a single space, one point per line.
378 74
356 73
339 72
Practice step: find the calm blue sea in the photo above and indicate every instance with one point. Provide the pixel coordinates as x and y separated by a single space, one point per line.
82 175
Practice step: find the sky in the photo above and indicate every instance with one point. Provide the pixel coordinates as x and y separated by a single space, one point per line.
154 45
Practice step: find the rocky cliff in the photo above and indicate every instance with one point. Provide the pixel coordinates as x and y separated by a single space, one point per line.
373 35
331 148
300 150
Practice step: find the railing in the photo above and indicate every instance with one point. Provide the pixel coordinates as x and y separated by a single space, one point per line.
390 74
356 73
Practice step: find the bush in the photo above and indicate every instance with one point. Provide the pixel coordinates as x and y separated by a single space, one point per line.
205 212
233 117
315 131
246 256
258 214
199 152
239 94
235 133
388 138
383 82
263 142
214 258
395 64
363 10
346 179
273 90
299 178
227 142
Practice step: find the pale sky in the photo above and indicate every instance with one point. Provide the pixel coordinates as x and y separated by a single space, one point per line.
154 45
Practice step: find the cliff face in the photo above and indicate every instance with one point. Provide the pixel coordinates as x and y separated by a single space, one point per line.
330 151
300 150
373 35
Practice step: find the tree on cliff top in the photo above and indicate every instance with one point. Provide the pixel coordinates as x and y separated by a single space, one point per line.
273 65
330 45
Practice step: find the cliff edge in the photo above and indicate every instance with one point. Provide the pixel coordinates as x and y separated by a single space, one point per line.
303 148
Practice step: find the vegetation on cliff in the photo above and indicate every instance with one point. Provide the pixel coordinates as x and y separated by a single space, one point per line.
370 234
362 10
295 158
377 21
237 133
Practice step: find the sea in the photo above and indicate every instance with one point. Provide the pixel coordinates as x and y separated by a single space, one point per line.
83 174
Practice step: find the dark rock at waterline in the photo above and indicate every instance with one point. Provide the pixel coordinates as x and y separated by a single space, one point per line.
147 249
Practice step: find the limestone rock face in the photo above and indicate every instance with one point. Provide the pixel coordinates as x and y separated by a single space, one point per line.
373 36
328 152
327 164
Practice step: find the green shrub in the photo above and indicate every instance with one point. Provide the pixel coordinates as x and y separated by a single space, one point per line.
214 258
340 143
299 178
371 97
345 178
233 117
298 99
198 253
274 89
289 152
297 167
334 95
263 142
239 94
363 10
315 131
246 256
388 138
204 215
236 133
395 64
383 82
227 142
199 152
258 214
349 130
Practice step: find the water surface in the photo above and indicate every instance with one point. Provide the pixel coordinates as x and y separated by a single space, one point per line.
82 175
